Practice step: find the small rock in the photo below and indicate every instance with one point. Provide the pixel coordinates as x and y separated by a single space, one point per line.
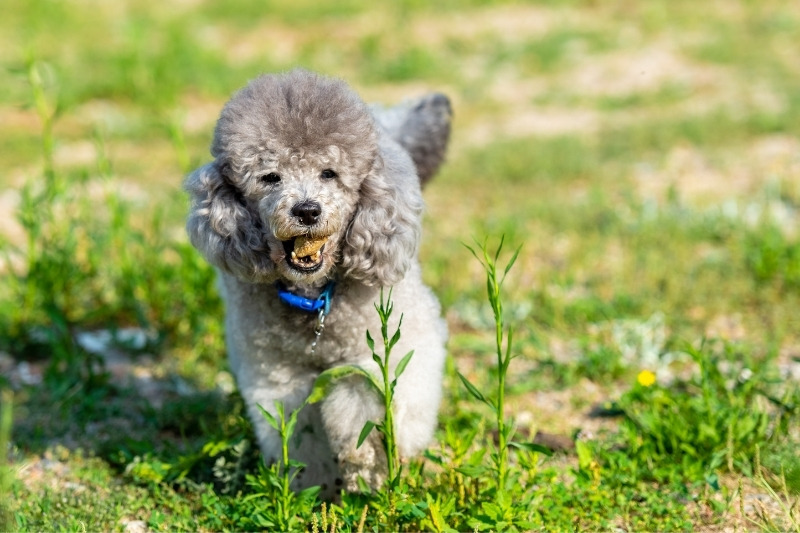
135 526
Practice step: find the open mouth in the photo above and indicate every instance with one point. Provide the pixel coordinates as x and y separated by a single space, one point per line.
304 253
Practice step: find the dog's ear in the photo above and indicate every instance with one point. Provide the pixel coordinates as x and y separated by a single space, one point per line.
381 242
422 128
221 226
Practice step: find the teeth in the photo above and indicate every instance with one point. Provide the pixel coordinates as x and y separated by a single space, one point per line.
315 257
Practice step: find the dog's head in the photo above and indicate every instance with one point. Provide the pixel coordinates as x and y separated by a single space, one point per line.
304 188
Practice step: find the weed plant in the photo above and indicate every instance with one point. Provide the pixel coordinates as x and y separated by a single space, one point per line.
504 431
81 267
715 419
773 257
505 427
386 386
285 509
789 519
383 388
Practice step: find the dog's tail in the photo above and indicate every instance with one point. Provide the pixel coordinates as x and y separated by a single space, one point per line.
422 127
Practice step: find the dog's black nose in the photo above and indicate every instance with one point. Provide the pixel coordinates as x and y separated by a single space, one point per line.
308 212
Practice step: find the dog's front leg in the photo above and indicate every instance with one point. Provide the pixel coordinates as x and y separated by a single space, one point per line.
345 411
308 444
260 394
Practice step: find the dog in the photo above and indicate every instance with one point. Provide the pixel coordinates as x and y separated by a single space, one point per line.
311 206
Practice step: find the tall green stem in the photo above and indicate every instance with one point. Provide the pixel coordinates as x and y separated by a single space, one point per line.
388 429
497 308
501 389
285 475
391 447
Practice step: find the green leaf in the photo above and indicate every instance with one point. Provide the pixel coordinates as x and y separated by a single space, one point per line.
365 431
292 421
294 463
270 418
493 511
395 338
389 303
430 456
474 391
472 250
216 447
363 486
370 342
713 480
325 380
472 471
511 262
401 366
508 430
408 507
307 496
437 515
584 454
531 447
279 407
476 457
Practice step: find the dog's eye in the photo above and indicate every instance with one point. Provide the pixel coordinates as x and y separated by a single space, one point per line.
329 174
272 177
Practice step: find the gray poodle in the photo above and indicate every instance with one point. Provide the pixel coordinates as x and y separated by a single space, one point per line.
311 205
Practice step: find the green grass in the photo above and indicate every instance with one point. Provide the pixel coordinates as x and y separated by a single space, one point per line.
626 271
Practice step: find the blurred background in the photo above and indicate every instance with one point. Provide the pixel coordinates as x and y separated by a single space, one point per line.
645 154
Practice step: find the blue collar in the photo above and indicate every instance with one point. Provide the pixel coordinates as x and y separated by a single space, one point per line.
307 304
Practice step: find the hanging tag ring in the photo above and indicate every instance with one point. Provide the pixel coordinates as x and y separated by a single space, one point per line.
318 329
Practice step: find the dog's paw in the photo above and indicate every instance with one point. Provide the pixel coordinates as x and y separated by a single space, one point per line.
367 462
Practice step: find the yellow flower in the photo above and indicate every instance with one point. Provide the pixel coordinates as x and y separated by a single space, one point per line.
646 378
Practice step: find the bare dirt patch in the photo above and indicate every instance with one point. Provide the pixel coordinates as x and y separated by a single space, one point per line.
618 74
509 23
534 121
735 173
639 70
558 412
